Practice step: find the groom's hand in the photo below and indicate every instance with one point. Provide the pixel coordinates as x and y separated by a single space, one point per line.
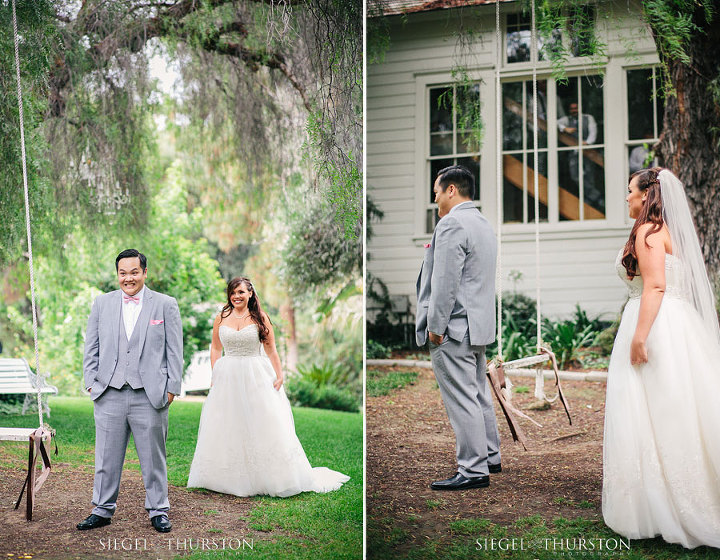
170 398
435 338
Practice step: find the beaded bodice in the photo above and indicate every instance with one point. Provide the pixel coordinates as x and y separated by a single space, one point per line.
674 278
240 343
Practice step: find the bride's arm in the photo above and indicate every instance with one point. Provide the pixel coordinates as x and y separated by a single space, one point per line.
216 345
651 264
272 353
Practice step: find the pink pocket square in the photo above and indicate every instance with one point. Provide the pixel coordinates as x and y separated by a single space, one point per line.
156 321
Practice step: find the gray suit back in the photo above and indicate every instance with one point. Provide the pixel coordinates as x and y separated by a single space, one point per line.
456 285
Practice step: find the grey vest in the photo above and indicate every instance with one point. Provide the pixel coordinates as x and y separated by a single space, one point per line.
127 369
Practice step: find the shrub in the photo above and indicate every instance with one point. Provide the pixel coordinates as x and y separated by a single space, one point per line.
303 392
329 385
376 350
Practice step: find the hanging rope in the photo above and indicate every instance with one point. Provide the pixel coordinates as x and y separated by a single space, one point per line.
544 355
38 379
536 198
499 180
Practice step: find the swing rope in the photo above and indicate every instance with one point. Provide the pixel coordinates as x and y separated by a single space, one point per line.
543 353
38 378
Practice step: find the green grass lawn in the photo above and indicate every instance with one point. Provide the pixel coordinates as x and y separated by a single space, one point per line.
318 526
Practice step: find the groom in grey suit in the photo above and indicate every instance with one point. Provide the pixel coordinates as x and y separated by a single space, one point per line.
133 369
456 314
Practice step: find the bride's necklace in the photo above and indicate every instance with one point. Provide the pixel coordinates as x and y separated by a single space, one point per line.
241 317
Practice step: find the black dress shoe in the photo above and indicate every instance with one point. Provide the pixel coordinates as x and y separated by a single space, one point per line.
494 469
161 523
93 522
460 482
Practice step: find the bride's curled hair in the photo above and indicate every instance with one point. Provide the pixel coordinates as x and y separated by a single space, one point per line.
651 212
256 312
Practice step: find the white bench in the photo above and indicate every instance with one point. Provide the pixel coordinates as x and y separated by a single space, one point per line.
16 378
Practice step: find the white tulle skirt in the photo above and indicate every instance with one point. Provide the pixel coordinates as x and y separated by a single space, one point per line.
246 440
661 471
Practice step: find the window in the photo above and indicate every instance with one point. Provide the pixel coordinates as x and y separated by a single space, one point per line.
581 162
453 136
580 31
518 157
645 111
571 169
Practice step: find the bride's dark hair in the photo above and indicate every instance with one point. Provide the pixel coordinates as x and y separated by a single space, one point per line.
651 212
253 306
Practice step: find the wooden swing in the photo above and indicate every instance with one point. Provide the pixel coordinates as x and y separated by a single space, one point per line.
35 436
496 375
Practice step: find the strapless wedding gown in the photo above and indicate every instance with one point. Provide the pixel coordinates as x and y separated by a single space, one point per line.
661 471
246 441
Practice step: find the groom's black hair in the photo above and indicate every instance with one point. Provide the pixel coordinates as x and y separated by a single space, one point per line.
461 177
129 254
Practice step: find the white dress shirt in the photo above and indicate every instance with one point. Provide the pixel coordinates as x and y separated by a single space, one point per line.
131 312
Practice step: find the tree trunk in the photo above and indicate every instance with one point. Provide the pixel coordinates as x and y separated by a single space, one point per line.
689 142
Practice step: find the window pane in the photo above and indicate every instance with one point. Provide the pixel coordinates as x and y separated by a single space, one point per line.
468 141
593 116
594 184
431 219
549 45
569 187
441 109
640 104
638 157
512 115
441 143
518 38
435 166
513 188
542 184
568 123
473 164
542 113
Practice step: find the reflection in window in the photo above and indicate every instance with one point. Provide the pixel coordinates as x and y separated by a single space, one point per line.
518 158
645 110
453 135
518 40
580 141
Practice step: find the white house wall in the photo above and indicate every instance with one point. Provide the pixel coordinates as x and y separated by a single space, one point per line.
577 258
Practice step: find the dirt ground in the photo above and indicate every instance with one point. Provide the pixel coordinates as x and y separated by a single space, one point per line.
410 443
64 500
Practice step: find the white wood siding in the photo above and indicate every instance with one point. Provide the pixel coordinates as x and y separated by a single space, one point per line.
577 258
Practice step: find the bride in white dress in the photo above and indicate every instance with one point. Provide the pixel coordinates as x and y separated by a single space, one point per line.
246 441
661 468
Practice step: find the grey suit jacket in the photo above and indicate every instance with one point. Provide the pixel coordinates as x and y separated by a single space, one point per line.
456 285
161 345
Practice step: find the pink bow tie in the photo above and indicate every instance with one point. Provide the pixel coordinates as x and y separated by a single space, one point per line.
131 299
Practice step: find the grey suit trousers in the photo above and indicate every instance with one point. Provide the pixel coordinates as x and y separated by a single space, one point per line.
118 412
460 372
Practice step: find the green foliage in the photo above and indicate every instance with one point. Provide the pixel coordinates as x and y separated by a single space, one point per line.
382 382
376 350
317 251
68 282
303 392
566 339
38 38
329 385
